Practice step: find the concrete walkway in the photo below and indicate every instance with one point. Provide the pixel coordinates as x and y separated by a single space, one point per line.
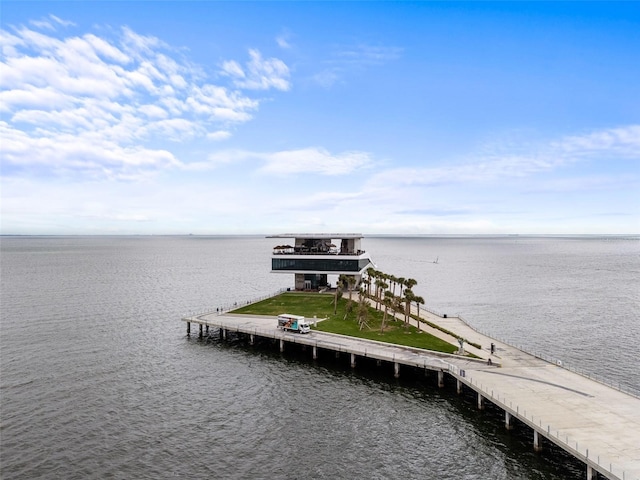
596 423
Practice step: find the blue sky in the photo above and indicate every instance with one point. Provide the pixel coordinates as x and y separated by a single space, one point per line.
270 117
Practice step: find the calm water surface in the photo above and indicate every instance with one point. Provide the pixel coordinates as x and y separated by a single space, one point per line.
99 381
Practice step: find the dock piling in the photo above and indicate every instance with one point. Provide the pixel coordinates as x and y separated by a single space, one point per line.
536 441
389 355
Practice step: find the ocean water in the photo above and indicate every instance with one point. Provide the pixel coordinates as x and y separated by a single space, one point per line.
574 299
98 379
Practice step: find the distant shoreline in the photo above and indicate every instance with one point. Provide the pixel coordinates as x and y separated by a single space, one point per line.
371 235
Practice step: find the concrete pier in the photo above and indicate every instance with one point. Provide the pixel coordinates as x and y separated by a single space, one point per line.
480 401
536 441
507 420
597 424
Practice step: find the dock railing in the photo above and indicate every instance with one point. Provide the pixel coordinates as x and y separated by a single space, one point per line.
225 308
543 356
560 363
563 440
548 358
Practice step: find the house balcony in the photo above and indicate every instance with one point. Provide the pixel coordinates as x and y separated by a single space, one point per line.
336 264
288 250
320 254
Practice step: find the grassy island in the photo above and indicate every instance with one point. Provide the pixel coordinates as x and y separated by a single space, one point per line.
343 319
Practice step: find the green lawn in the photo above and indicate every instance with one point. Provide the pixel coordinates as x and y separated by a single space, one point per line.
321 306
306 304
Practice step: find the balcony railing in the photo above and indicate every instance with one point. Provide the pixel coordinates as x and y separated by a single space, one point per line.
305 251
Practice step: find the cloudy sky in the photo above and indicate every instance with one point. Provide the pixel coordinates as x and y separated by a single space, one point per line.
233 118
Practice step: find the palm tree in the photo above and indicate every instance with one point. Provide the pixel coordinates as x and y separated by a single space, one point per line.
401 281
363 313
388 303
366 285
419 301
371 273
394 281
351 281
410 283
338 295
380 287
408 297
398 306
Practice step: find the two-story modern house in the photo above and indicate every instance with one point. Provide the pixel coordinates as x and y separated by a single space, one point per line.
312 257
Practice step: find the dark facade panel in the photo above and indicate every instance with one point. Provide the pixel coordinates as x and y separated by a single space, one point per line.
318 264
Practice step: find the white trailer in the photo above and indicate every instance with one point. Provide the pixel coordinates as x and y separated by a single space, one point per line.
293 323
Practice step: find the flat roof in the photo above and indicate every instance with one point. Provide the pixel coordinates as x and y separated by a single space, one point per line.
327 236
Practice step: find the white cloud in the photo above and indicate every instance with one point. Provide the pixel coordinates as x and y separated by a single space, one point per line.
64 23
42 24
81 155
104 49
176 129
310 160
153 111
501 163
326 78
283 40
347 59
365 55
94 102
591 183
33 97
314 160
219 135
259 73
51 22
233 69
140 45
225 157
621 141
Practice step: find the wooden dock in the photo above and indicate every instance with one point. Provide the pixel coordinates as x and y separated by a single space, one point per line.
597 424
